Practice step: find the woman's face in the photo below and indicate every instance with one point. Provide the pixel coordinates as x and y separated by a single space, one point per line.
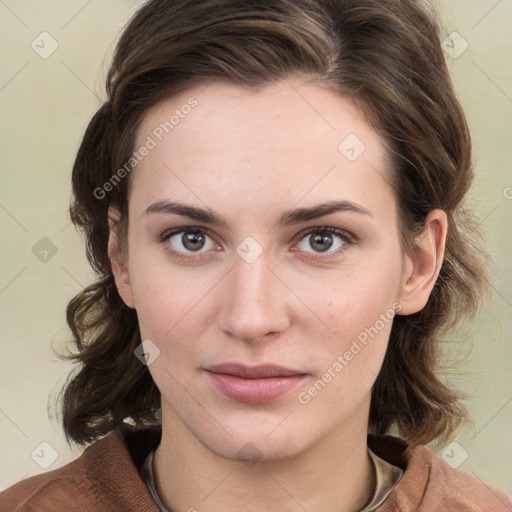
255 269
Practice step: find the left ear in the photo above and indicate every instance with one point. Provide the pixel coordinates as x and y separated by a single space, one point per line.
422 267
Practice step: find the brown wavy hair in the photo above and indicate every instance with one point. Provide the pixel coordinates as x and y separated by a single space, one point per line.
386 56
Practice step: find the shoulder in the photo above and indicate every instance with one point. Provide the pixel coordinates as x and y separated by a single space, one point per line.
43 492
430 484
104 477
50 490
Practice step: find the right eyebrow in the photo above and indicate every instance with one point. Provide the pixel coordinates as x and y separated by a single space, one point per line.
192 212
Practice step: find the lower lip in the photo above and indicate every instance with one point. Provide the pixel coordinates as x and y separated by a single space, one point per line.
254 391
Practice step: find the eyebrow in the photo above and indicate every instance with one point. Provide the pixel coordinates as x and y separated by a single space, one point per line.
287 218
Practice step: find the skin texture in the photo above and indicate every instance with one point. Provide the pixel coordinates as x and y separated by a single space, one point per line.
249 156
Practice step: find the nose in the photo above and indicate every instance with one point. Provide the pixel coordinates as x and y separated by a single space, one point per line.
254 301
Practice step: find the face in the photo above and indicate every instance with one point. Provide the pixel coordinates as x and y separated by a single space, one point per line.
264 264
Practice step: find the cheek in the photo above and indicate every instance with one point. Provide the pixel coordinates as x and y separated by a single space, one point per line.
164 294
352 301
347 377
174 308
360 306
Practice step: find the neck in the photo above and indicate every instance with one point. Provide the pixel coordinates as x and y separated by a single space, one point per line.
335 474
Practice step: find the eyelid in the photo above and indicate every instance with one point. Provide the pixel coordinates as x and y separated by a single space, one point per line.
184 229
342 233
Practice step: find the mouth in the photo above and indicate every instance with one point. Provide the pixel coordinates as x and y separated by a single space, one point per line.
253 384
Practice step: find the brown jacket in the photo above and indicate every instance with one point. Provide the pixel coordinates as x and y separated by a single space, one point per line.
105 478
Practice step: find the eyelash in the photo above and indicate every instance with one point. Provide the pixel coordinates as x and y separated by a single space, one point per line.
345 236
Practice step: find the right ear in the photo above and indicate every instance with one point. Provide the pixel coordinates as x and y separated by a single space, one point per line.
116 256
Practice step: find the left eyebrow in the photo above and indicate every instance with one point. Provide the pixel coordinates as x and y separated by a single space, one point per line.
298 215
287 218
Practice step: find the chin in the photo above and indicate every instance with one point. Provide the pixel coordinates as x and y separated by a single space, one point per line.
250 434
251 450
256 441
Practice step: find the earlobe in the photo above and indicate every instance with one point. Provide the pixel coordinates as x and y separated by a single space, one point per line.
117 260
422 267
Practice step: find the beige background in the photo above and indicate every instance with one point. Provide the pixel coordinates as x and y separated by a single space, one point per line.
46 104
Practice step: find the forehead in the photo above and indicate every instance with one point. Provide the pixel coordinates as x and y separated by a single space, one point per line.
292 140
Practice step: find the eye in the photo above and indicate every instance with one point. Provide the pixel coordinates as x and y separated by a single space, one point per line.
322 240
193 242
183 243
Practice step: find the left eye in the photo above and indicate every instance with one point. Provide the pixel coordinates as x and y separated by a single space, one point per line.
321 240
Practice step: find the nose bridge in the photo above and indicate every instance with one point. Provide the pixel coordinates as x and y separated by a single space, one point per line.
254 301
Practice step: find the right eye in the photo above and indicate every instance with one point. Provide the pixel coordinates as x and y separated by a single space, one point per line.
184 242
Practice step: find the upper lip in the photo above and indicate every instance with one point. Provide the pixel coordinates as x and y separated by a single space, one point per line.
261 371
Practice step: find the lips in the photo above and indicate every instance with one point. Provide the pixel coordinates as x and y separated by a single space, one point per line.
263 371
253 384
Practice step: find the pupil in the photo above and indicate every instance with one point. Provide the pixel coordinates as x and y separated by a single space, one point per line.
320 241
192 241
